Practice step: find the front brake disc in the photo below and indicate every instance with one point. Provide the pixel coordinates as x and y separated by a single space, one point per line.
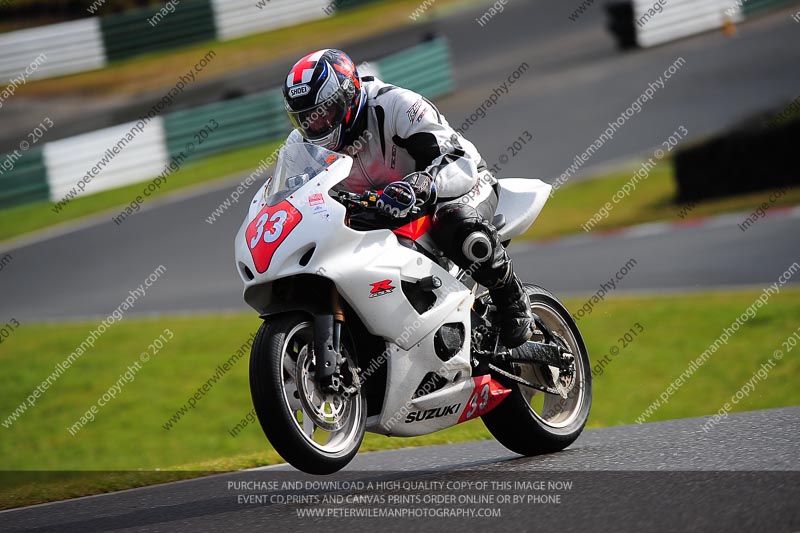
328 411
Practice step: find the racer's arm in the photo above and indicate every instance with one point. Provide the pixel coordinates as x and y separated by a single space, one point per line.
436 147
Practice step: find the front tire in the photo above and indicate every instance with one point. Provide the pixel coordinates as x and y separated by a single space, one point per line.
315 432
531 422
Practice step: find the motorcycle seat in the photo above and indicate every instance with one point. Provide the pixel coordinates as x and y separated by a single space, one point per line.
499 221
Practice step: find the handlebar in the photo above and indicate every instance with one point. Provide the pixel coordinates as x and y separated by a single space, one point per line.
366 201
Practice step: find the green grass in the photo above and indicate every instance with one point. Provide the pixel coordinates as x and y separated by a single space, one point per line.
127 435
577 202
158 71
26 218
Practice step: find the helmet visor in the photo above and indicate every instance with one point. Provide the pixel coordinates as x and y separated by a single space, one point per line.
322 119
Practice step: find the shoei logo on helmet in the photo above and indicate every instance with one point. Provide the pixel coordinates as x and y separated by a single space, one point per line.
300 90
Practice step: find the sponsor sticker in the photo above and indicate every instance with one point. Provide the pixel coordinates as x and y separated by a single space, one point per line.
379 288
430 414
412 111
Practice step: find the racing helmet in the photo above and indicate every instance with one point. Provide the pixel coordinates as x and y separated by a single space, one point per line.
324 98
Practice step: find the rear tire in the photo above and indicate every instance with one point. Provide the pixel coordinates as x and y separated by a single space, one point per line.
277 380
515 423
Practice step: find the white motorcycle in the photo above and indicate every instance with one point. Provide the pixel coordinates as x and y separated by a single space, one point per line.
368 327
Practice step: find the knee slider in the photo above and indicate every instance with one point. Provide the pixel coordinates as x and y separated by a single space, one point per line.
477 247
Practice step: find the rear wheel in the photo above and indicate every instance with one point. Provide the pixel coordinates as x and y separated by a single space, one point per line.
532 422
316 432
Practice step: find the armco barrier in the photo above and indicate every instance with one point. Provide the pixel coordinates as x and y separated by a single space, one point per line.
90 43
111 165
680 18
426 68
131 33
67 47
241 17
646 23
754 6
23 178
241 122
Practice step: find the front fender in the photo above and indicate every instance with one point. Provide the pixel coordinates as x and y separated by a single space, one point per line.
304 292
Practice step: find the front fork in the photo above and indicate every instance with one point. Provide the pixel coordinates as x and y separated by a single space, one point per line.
328 344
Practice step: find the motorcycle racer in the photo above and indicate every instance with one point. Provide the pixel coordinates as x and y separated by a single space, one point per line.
404 146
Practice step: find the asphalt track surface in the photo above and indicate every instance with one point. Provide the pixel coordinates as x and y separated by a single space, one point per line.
577 81
89 273
742 475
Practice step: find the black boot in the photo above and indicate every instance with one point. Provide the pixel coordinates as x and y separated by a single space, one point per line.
472 242
516 319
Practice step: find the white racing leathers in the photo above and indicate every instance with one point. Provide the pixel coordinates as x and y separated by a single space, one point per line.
407 133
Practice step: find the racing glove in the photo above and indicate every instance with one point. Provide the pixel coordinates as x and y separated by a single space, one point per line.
423 186
397 199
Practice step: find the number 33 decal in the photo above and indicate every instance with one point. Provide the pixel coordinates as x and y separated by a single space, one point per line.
486 395
268 229
275 229
475 406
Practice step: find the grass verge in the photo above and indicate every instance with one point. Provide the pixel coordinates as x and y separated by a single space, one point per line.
128 439
576 203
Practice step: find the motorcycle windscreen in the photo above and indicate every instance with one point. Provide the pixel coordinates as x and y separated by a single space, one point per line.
301 163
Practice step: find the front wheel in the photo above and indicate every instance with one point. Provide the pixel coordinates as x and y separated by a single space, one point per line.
532 422
315 431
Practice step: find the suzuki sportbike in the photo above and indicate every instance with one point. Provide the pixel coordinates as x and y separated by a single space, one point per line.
368 327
